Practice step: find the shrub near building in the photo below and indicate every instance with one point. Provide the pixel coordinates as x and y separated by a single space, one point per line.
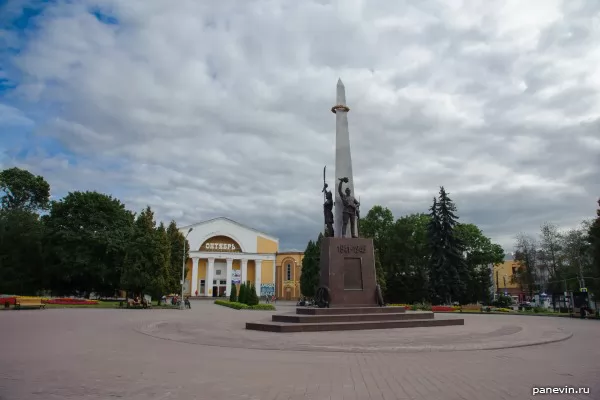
247 299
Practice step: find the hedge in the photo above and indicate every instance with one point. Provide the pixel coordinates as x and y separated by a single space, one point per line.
241 306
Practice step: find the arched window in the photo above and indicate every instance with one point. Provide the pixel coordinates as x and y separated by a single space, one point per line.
288 272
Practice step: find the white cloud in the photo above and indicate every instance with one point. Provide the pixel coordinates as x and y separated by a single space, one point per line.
222 108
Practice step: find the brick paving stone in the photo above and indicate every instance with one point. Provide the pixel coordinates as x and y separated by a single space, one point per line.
99 354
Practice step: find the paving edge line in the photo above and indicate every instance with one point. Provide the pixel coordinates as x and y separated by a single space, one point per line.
144 330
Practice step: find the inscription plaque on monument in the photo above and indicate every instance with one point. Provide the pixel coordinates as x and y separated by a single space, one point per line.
353 273
348 270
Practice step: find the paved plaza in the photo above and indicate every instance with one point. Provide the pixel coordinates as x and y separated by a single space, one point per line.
205 353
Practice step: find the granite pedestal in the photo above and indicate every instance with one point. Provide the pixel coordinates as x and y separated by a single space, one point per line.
348 270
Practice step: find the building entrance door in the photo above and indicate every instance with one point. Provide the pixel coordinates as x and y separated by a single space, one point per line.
288 294
219 288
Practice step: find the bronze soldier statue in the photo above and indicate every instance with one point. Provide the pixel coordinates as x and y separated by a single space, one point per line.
328 212
350 208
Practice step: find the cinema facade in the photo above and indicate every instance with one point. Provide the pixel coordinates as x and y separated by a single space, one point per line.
223 253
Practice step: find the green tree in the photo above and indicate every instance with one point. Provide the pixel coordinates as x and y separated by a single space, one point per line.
87 236
233 295
526 253
22 265
406 262
21 190
551 257
309 279
145 261
251 296
480 255
21 252
176 240
243 293
377 225
162 278
448 271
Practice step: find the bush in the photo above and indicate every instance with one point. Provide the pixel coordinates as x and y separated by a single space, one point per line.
240 306
503 301
252 297
233 295
231 304
538 309
422 307
242 295
269 307
405 306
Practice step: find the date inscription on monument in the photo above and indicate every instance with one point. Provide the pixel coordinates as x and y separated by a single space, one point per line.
349 249
353 273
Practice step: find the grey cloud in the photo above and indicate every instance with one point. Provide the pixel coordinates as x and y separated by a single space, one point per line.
225 110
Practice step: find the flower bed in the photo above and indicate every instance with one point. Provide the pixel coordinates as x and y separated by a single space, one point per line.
8 300
68 301
406 306
241 306
443 308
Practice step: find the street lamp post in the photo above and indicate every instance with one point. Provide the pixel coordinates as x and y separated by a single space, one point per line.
181 302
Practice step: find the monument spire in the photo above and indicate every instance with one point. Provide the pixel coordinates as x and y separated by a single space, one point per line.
343 159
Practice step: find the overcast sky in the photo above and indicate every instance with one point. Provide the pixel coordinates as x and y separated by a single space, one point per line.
222 108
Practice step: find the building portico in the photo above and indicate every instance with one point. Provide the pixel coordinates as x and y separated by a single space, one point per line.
224 253
218 268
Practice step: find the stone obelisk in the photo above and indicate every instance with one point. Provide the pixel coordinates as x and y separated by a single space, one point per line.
343 159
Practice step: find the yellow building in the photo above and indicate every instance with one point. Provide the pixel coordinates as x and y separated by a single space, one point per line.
223 253
287 277
504 281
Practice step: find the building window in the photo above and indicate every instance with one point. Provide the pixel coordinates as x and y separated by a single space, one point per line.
218 272
514 269
288 272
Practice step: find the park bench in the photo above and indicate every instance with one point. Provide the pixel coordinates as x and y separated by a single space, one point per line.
29 303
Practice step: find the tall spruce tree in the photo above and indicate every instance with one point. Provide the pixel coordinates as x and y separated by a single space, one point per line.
162 278
144 266
448 269
177 241
309 279
243 293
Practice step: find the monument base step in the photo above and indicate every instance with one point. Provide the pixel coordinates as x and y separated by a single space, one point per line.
349 310
284 327
324 318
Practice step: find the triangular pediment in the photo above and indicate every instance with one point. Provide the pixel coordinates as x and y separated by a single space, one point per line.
223 221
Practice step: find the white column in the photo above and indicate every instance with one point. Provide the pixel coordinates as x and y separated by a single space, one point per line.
210 273
229 272
194 276
258 267
244 276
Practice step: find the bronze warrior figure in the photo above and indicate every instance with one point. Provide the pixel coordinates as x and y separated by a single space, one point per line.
328 212
350 208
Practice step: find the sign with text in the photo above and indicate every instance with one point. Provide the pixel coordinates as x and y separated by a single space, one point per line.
350 249
236 276
221 244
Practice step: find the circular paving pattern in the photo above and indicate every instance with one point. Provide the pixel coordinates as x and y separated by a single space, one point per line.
100 354
480 332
